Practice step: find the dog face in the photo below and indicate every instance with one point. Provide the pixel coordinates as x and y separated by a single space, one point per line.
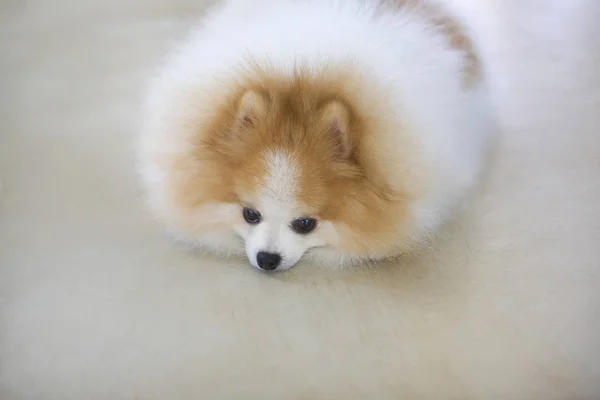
284 161
279 227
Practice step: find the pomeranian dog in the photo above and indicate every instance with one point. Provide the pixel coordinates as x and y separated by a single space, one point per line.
338 131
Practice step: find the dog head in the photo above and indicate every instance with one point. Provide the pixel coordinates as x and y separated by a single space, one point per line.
285 167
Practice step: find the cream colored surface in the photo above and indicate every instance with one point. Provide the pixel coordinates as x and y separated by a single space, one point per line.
97 304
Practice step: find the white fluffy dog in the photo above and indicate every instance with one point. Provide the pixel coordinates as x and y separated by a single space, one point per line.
342 131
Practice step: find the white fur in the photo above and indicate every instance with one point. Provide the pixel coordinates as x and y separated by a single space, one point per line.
410 64
276 203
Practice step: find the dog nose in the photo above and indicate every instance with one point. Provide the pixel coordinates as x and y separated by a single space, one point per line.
268 261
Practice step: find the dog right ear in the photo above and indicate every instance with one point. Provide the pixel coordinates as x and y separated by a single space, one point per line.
336 117
252 108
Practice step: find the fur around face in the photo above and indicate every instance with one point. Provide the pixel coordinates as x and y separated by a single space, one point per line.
370 117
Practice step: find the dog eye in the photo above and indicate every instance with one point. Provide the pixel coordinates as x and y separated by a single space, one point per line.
251 216
304 226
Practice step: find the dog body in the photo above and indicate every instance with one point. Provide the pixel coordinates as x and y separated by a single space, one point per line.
341 131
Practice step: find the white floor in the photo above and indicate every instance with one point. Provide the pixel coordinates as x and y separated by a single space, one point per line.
95 303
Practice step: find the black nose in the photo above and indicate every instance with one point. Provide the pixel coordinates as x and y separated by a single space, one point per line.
268 261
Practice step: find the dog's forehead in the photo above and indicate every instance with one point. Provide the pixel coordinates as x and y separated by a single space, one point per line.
280 184
277 196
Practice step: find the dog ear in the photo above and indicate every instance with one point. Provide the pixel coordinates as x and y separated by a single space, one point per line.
336 119
252 108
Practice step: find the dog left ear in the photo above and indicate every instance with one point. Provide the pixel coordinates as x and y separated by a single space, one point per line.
336 117
252 108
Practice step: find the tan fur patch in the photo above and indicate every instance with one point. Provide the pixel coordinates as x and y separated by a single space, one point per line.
320 122
451 27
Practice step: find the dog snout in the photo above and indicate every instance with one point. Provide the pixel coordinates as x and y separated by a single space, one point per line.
268 261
